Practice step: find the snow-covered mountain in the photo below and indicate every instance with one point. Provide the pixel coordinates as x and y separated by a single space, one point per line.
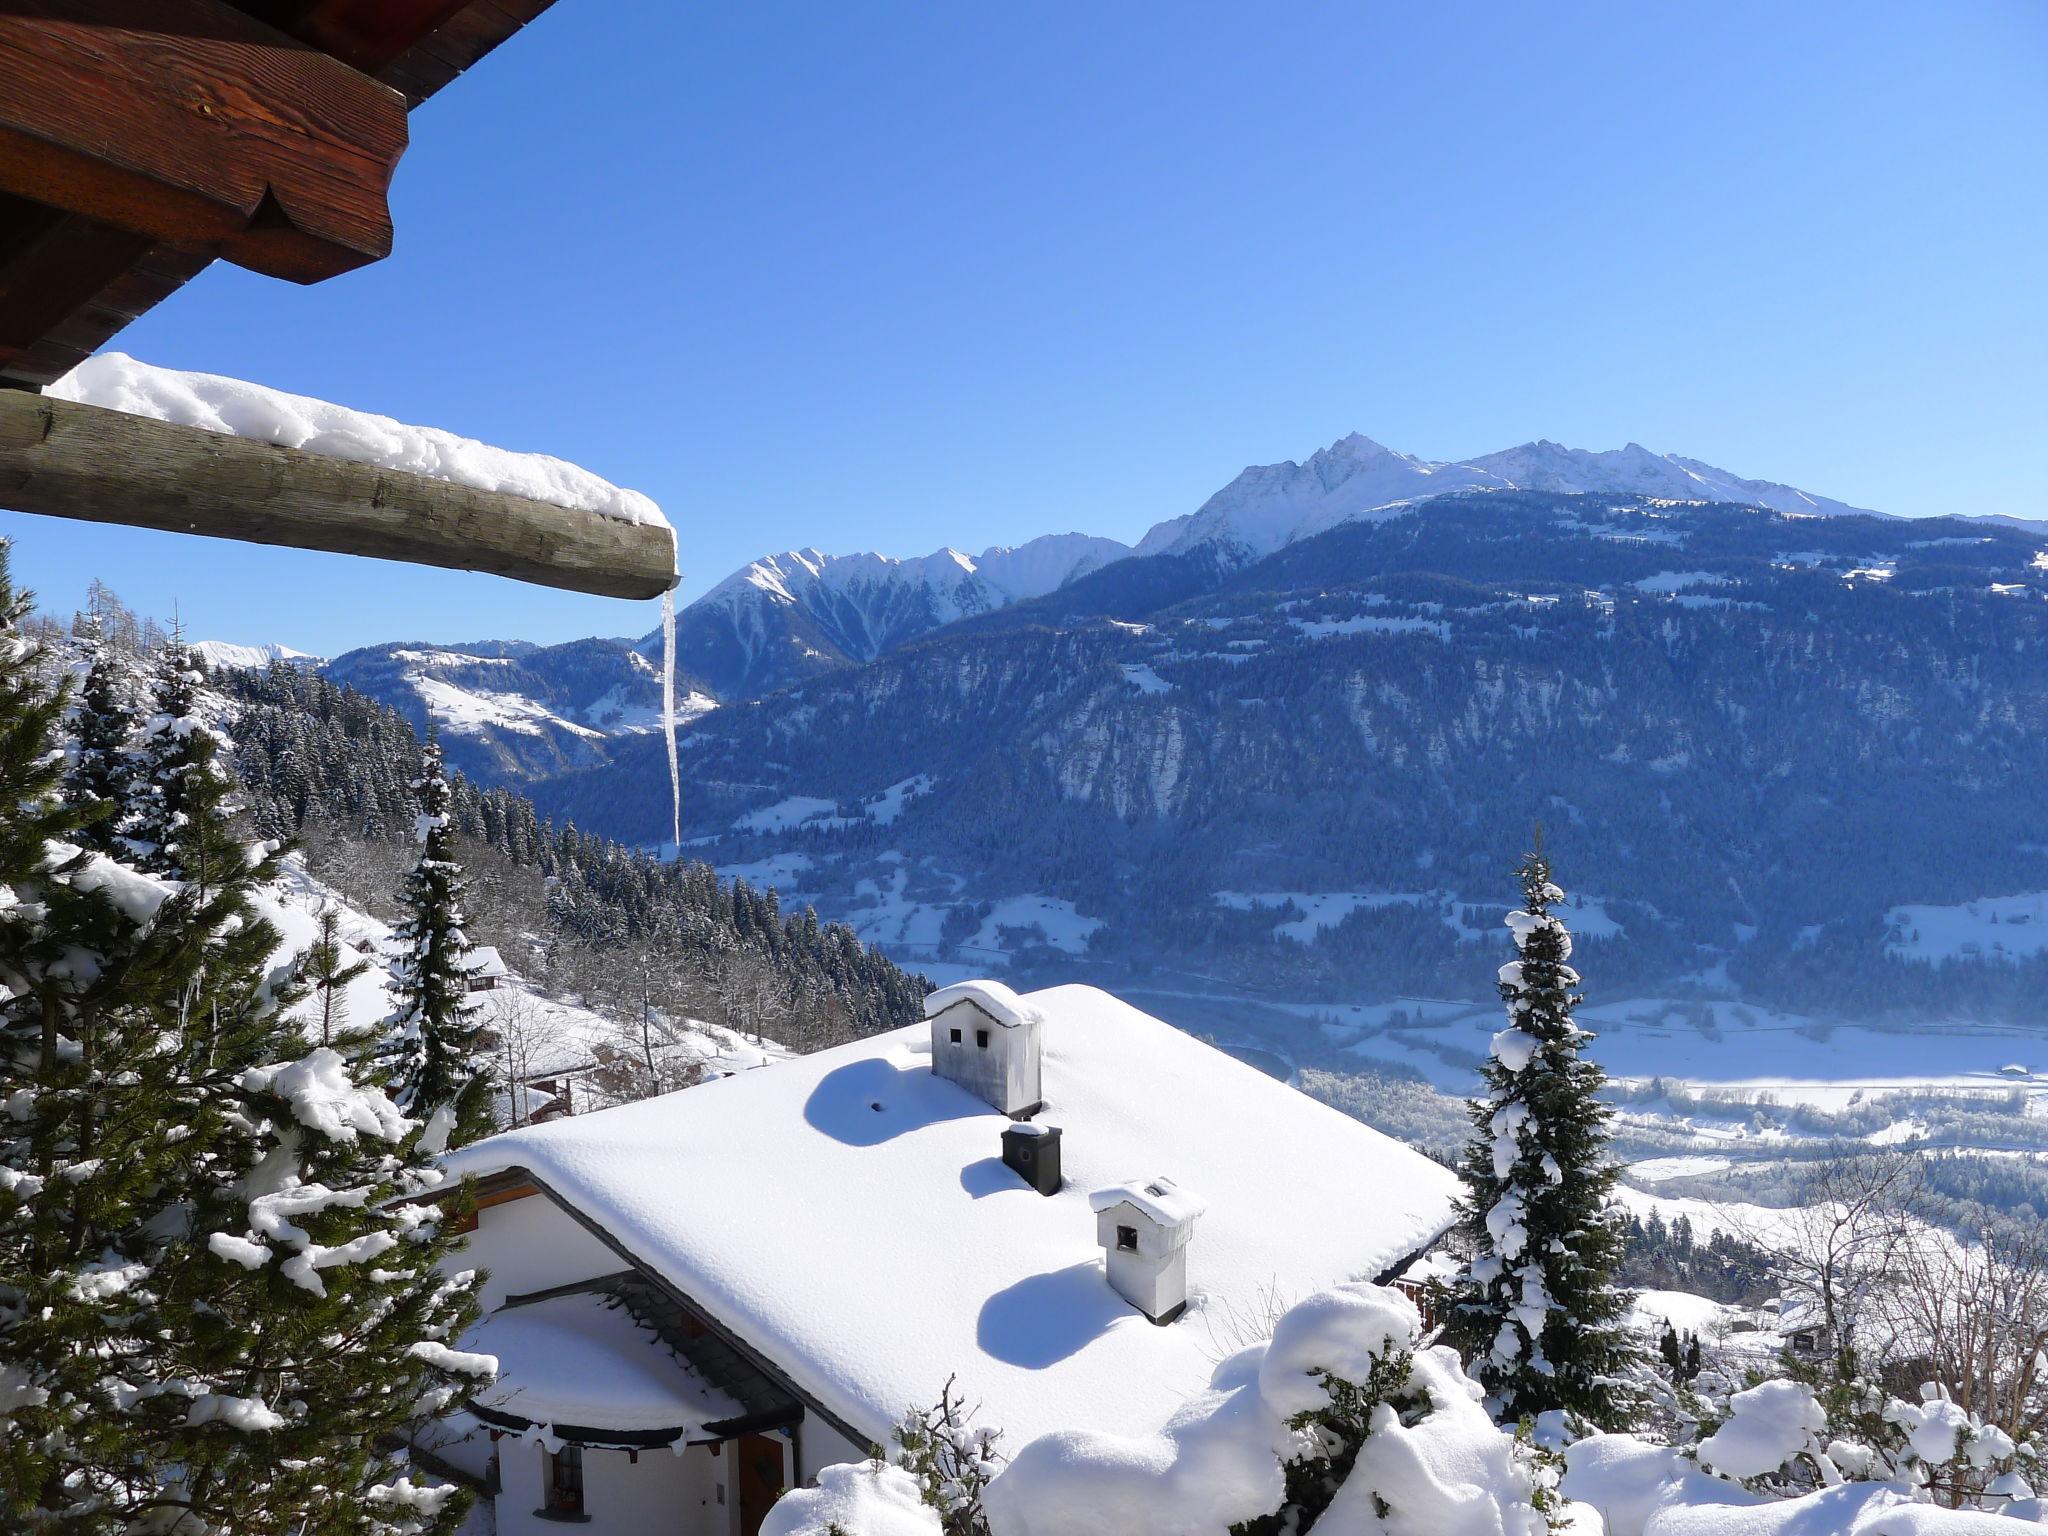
508 709
222 653
512 711
1269 506
794 615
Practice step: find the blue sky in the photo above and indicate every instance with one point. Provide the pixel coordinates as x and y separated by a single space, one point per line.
894 276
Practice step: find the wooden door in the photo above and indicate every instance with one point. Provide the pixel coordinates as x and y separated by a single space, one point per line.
757 1464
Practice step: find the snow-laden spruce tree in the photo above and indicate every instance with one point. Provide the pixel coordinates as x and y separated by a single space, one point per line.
432 1051
1537 1311
327 968
217 1303
181 828
104 779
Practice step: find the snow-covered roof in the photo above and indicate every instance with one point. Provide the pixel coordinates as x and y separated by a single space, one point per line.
848 1215
991 997
1159 1198
484 960
582 1360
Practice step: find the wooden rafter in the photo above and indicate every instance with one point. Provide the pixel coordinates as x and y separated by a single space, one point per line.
52 316
63 459
189 121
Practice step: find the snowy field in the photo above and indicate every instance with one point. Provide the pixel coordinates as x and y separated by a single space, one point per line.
1710 1044
2009 927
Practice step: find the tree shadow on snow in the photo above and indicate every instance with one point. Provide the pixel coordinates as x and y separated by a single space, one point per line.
868 1102
1044 1319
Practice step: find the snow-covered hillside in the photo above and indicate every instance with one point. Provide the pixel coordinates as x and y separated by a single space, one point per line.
507 710
1269 506
552 1038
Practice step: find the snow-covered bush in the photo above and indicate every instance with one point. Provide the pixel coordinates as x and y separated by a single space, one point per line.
1338 1421
1772 1462
1767 1425
862 1498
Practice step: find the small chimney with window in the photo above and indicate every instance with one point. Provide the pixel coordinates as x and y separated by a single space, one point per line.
1144 1229
986 1038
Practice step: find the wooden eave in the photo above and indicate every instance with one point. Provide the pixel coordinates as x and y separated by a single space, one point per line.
94 232
141 140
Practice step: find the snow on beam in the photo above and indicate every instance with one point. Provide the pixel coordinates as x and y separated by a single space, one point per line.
61 458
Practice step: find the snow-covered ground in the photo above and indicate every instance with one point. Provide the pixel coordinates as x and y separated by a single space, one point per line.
2009 927
556 1035
1324 910
1741 1049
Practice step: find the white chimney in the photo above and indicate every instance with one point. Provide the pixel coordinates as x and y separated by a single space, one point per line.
1144 1229
986 1038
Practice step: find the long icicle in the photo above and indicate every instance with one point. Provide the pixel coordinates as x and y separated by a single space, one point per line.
668 717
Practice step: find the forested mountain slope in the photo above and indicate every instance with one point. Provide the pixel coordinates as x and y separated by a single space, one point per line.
1755 736
333 768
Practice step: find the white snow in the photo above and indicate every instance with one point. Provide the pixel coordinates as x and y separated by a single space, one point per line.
325 1097
1144 679
1053 918
1441 1469
992 997
888 805
1341 1331
582 1359
856 1498
869 598
904 1250
1642 1489
1159 1198
247 1414
238 408
1268 506
219 655
1767 1425
471 711
2000 927
791 811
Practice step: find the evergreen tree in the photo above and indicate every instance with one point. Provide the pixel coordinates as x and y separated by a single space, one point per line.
163 1141
1537 1311
328 969
181 828
435 1057
104 777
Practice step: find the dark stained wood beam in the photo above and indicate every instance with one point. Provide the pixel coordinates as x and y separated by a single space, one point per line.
190 121
53 263
63 459
363 34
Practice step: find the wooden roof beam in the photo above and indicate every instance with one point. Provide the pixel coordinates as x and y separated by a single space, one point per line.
63 459
189 121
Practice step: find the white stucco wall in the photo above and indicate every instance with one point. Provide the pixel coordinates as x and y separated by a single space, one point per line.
662 1494
531 1245
824 1446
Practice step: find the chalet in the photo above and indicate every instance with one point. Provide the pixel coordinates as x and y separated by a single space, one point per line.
486 969
699 1300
